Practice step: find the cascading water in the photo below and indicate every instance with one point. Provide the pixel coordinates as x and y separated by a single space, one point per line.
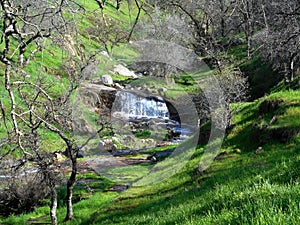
133 106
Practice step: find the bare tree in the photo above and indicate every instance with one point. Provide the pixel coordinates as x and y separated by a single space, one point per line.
281 37
227 86
110 32
25 28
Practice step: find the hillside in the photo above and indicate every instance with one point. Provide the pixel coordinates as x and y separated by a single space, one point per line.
245 184
142 112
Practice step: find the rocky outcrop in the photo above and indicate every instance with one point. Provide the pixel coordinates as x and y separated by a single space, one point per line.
103 99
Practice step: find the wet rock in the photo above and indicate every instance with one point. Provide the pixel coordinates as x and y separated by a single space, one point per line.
125 152
160 155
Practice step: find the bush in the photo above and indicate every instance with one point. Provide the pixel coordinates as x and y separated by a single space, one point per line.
22 193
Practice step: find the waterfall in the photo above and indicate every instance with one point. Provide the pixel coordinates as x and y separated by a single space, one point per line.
134 106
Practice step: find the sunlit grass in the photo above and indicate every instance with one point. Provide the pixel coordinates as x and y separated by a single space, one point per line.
241 187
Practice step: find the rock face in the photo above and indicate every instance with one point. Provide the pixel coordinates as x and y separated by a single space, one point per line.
122 70
102 98
107 80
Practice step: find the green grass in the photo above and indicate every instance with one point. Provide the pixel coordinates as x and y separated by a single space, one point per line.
128 174
238 190
84 208
240 187
251 125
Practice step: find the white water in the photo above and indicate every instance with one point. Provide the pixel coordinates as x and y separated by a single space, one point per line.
134 106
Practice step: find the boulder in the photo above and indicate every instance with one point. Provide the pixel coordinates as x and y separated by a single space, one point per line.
107 80
122 70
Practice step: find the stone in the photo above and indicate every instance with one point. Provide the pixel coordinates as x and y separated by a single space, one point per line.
107 80
104 53
123 71
115 139
118 86
80 154
82 126
101 146
162 90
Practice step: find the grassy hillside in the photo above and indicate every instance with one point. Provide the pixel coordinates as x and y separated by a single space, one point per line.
252 181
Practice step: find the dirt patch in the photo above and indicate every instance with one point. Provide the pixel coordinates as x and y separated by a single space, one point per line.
118 188
100 164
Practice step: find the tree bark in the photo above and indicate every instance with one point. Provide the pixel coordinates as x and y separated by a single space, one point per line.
53 206
70 186
118 4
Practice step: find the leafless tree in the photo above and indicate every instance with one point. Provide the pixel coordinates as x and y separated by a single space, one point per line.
110 32
218 92
281 37
26 27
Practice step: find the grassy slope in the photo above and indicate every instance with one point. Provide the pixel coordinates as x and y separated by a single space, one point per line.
240 187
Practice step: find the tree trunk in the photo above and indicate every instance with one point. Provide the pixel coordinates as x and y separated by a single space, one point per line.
53 206
70 186
118 4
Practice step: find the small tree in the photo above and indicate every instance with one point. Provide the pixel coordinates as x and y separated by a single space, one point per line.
233 87
26 27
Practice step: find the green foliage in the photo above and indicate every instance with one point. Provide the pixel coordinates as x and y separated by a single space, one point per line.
143 134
